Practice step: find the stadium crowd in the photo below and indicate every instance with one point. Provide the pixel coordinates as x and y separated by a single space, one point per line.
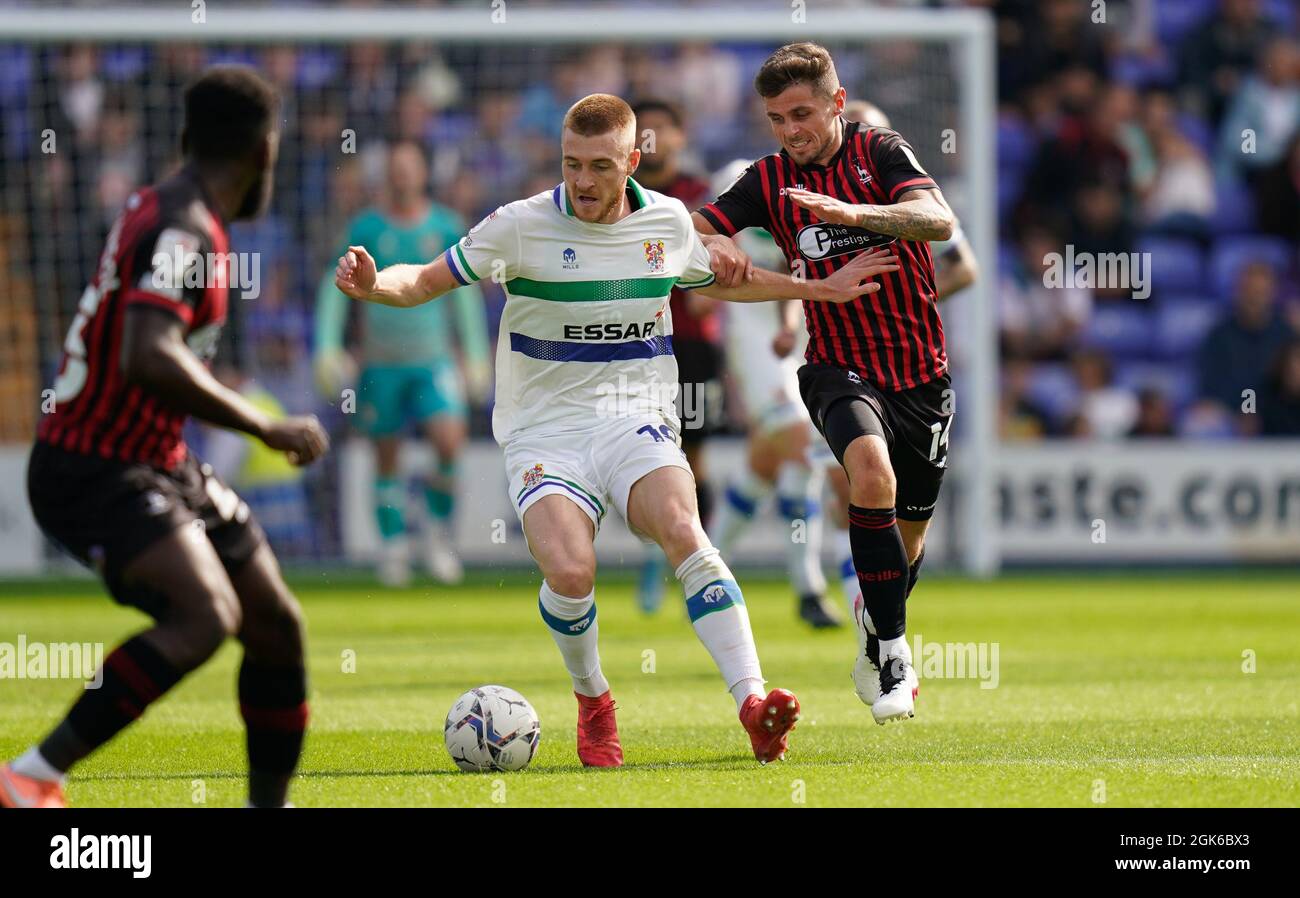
1175 135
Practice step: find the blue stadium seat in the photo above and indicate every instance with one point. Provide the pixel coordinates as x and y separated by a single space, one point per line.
1175 18
1234 208
1121 329
1182 322
1232 252
1053 389
1176 381
1176 265
1016 143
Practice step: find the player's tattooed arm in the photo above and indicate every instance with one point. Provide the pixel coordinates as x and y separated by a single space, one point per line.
156 357
397 285
844 285
919 214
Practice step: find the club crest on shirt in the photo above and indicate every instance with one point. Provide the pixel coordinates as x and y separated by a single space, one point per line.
569 259
863 176
533 476
654 255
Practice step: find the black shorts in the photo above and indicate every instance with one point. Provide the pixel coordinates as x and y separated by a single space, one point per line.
913 423
700 399
105 512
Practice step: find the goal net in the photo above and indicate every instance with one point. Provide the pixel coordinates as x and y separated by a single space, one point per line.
483 89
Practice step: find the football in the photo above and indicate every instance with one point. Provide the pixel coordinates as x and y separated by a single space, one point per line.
492 728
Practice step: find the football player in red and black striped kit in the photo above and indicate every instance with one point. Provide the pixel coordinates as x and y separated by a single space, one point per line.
876 375
111 480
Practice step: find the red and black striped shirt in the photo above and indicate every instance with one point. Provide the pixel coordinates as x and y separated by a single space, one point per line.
892 338
165 231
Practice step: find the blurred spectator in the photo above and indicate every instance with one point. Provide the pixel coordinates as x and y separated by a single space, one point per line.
1177 189
1106 411
1279 400
1019 416
1278 189
1216 55
1267 106
1237 351
1155 415
1039 322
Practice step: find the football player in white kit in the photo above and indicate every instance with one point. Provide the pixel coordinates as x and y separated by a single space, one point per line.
585 383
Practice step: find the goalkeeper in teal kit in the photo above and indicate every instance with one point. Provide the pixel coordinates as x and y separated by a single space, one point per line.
411 364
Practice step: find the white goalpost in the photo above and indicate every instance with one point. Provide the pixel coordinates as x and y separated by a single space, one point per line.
946 101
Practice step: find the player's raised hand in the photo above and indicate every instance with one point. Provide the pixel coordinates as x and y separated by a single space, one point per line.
827 208
851 281
730 265
356 273
301 438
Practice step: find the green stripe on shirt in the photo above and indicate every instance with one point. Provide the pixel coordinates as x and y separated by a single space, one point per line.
592 291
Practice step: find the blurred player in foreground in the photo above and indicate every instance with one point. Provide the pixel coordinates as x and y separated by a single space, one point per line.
876 377
585 386
111 480
411 374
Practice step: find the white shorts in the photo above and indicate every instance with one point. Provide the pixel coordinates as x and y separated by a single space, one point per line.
593 468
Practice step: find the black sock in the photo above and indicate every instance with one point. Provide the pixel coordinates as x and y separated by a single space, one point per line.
134 676
881 563
273 702
914 571
704 499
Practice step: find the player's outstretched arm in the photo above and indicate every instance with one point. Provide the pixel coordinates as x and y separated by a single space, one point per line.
155 356
844 285
397 285
920 214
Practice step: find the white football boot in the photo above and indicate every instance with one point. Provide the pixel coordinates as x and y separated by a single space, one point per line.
394 567
866 669
896 699
439 560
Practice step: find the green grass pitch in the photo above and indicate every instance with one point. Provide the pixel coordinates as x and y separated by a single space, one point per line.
1112 690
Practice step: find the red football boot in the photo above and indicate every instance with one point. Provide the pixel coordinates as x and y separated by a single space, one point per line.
18 791
598 744
769 722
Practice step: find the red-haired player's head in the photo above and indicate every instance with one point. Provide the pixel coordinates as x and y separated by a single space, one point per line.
231 134
599 150
803 100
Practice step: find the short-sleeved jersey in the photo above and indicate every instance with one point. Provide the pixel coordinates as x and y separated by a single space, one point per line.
893 338
586 334
168 250
419 336
688 326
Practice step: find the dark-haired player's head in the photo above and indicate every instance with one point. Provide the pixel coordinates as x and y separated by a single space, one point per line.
231 116
598 144
803 100
660 135
408 172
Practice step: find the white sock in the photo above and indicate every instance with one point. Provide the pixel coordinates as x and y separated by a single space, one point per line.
717 611
740 501
844 564
32 763
797 492
572 623
895 648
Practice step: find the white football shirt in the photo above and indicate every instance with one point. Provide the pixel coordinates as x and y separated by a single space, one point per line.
586 335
